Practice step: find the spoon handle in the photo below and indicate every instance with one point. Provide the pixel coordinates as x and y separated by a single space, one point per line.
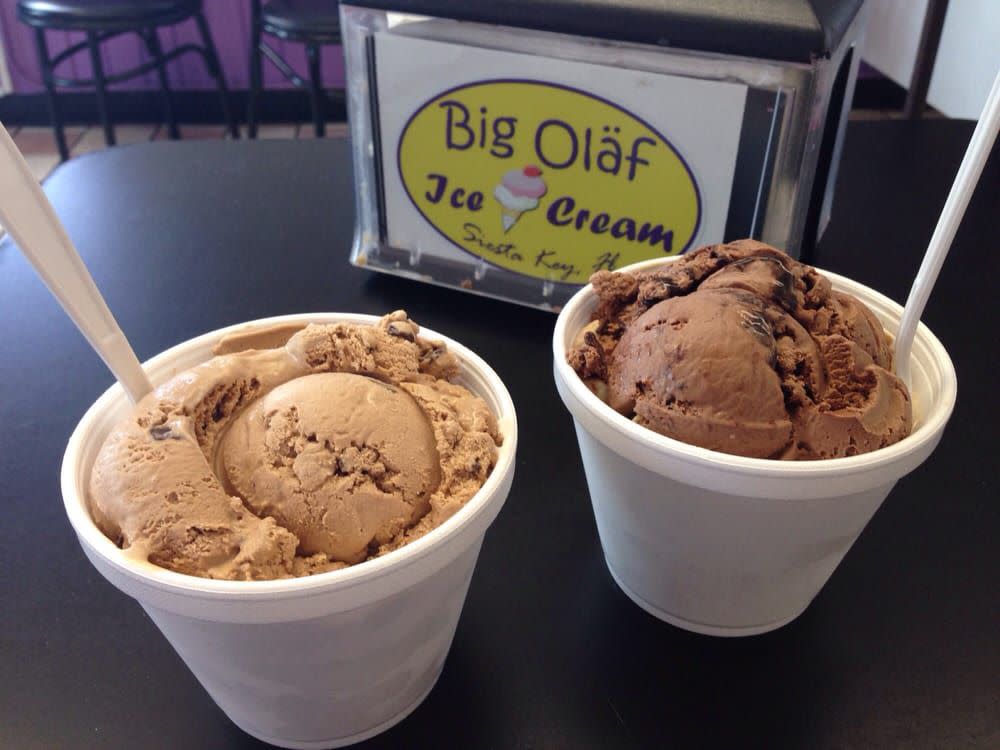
27 214
951 216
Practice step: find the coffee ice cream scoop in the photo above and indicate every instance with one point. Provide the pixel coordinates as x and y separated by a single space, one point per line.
343 461
343 443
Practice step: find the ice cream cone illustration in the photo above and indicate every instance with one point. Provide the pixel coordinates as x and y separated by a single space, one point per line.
509 218
518 192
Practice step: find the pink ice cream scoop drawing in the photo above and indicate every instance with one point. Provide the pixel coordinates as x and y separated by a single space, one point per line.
518 192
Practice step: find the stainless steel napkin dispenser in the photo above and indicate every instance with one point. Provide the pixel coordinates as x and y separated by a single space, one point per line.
512 148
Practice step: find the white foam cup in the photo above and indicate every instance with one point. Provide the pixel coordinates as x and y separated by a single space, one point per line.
726 545
312 662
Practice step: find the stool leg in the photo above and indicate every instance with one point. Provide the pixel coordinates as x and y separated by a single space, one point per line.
315 89
255 71
215 70
156 52
50 92
100 85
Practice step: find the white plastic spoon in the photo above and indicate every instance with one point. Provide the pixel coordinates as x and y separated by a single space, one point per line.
951 216
29 217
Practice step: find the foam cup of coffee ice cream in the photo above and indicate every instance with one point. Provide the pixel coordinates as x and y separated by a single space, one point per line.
739 423
300 514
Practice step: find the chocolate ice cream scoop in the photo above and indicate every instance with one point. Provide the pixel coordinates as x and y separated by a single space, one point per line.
702 366
741 349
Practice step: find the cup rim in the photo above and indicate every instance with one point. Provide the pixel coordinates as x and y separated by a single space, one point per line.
321 583
928 431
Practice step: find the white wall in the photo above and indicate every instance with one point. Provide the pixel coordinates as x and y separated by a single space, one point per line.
892 36
967 60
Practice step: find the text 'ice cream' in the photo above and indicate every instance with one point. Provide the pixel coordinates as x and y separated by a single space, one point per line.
741 349
295 451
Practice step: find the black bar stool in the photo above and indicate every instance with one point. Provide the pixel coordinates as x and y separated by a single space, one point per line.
311 22
101 20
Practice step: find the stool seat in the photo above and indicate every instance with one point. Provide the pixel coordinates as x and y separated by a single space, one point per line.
103 15
302 20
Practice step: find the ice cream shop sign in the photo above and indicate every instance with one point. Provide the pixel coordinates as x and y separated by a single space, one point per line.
546 180
499 153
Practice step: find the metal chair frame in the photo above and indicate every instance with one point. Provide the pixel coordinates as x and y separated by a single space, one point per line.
100 81
258 47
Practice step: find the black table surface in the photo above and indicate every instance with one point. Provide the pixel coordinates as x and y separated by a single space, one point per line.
900 649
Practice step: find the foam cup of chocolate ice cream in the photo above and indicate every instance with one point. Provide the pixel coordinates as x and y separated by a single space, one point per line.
299 507
740 422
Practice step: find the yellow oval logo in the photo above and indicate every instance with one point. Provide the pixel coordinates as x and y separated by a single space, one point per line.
546 180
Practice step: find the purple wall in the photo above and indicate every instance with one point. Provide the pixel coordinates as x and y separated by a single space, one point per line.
230 24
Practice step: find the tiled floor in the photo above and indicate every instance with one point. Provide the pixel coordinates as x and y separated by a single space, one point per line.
39 148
